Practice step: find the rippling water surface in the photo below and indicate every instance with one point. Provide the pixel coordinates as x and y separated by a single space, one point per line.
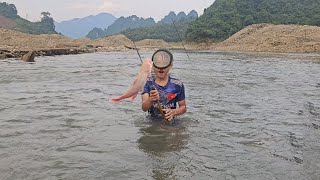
250 116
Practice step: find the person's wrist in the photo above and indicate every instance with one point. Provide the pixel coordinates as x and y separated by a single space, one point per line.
174 112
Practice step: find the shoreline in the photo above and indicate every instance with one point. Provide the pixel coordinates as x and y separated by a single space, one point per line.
15 53
18 54
256 38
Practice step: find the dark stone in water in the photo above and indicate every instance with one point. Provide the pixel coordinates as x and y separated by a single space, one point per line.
29 57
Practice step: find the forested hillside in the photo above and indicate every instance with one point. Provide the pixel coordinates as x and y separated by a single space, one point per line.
171 28
173 32
138 28
226 17
119 25
9 19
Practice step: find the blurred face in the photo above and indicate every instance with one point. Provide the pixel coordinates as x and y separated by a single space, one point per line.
161 64
161 73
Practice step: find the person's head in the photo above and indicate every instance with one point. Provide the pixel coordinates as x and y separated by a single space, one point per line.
162 62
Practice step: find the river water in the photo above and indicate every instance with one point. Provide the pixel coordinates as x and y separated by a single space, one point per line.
250 116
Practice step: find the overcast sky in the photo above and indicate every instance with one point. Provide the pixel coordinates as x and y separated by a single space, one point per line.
68 9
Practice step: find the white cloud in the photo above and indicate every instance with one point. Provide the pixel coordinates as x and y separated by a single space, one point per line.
108 5
111 7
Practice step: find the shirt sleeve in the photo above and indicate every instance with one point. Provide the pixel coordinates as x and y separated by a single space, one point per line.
181 94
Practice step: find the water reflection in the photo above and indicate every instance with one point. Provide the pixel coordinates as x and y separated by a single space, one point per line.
162 143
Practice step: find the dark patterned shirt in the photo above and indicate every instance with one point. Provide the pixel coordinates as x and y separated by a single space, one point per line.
170 94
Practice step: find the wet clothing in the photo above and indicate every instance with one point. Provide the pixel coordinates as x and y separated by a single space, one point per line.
170 94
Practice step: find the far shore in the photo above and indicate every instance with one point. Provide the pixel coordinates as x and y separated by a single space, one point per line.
265 38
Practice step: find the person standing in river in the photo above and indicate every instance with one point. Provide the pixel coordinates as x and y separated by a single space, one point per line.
163 90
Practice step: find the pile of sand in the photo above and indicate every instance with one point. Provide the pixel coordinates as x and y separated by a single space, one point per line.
10 39
153 43
254 38
116 42
273 38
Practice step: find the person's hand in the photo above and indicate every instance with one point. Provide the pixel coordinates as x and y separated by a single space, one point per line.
154 95
169 114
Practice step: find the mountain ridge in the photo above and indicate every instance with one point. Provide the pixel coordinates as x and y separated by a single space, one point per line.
134 23
79 27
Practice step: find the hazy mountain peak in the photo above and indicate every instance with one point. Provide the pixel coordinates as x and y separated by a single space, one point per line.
79 27
121 24
181 16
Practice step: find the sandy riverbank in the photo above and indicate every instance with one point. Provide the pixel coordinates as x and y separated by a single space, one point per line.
254 38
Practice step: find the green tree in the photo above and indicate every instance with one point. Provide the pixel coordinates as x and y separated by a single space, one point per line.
8 10
225 17
45 26
96 33
47 23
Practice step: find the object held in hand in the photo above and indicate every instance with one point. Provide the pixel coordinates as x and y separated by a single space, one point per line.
159 106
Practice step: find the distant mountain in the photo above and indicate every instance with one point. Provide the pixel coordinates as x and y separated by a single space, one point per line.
165 29
181 16
96 33
129 22
192 15
139 28
168 18
121 24
79 27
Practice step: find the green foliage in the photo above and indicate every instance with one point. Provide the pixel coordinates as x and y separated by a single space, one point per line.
45 26
138 28
96 33
119 25
172 28
168 32
8 10
225 17
123 23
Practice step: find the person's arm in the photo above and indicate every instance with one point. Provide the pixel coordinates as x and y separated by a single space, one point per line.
181 109
147 100
171 113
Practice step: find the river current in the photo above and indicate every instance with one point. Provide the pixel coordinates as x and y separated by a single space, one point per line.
250 116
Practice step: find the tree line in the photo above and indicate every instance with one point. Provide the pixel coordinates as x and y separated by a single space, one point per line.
137 28
226 17
173 32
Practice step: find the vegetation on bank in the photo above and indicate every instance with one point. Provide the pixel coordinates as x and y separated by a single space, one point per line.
226 17
254 38
8 10
45 26
173 32
171 28
219 21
